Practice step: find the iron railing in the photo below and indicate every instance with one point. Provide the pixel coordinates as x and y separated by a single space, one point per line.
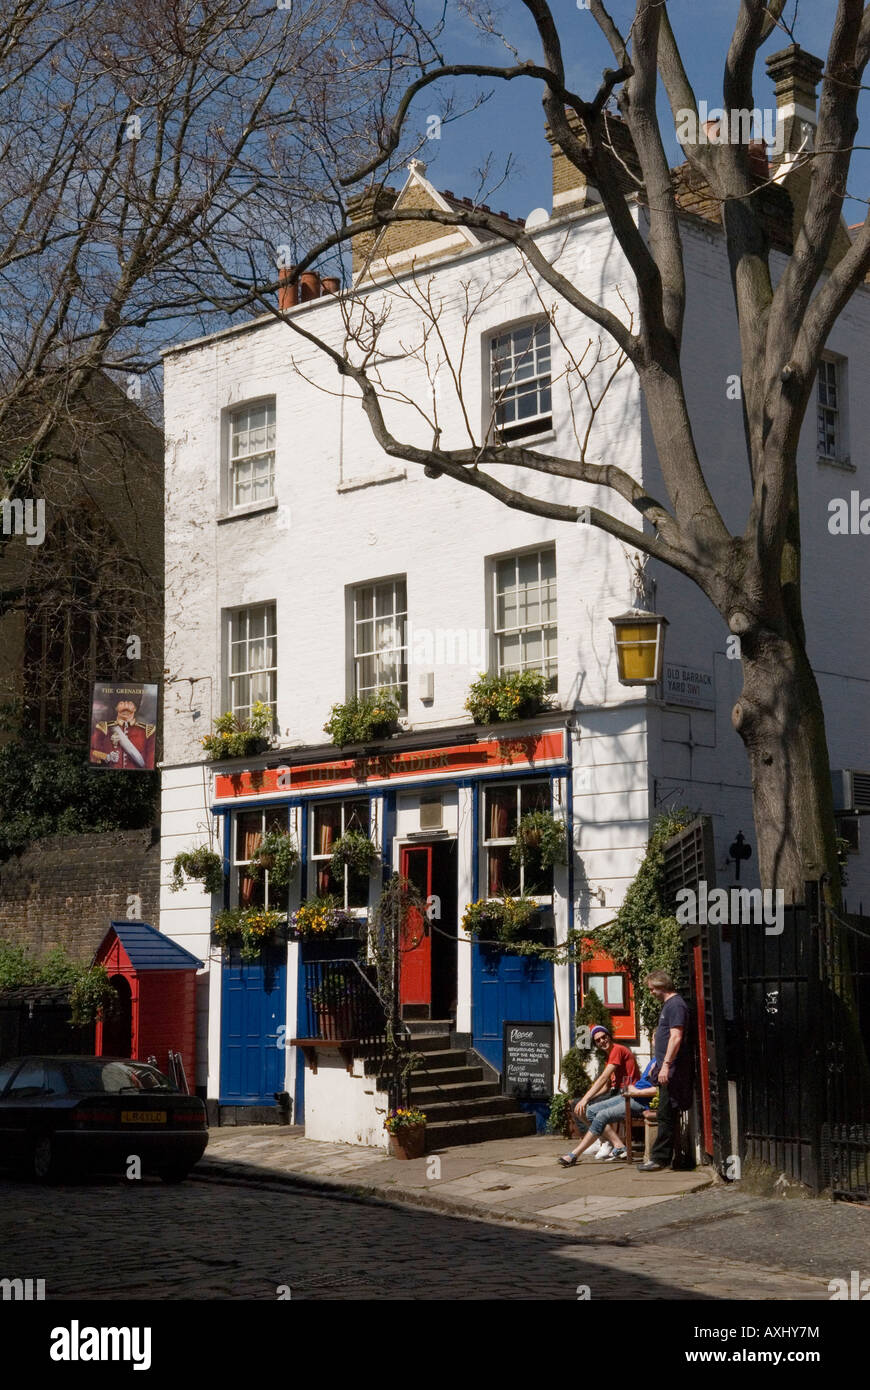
342 1004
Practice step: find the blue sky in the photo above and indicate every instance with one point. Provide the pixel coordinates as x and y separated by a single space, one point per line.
511 123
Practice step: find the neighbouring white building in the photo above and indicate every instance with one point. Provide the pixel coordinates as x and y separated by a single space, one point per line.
304 566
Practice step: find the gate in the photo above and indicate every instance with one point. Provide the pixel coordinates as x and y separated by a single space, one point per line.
845 959
804 1020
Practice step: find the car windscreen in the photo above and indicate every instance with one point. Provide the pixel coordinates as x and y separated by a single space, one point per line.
116 1077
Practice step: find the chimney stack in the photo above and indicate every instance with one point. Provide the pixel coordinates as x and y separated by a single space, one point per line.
360 208
571 190
795 75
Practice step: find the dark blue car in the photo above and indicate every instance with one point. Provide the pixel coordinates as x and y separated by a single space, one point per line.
62 1115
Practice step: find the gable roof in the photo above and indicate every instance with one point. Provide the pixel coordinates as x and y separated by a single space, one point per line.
149 949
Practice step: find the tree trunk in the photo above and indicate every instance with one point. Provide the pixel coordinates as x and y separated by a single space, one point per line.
780 719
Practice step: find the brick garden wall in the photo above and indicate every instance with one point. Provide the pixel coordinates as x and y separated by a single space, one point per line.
66 889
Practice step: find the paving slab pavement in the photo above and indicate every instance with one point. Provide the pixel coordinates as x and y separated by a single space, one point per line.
506 1179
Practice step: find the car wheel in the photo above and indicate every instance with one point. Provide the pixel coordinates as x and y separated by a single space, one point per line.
174 1174
43 1160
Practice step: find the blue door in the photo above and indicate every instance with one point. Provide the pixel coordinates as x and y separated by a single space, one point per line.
253 1008
505 986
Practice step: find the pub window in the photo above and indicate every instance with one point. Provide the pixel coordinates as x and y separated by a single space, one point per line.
329 821
612 990
249 827
503 805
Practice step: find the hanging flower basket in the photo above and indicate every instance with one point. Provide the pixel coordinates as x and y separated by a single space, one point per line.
202 864
355 851
278 854
542 836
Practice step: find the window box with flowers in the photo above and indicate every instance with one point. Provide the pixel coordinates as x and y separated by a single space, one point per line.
247 928
494 699
233 739
363 718
501 921
321 917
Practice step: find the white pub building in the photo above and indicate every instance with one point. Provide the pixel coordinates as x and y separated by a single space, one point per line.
304 567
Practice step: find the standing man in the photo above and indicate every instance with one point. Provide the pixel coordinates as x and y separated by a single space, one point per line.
674 1068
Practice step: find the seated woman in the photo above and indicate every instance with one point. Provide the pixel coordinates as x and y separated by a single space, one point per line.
621 1076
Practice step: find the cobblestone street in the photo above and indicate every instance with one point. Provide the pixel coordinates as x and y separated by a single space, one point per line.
213 1240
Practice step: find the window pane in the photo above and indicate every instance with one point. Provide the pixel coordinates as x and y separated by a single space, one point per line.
535 796
356 816
500 813
327 827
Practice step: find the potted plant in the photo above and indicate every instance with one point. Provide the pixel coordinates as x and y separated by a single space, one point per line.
512 695
248 928
407 1131
541 836
363 718
355 851
201 863
321 916
233 739
277 852
332 1000
497 920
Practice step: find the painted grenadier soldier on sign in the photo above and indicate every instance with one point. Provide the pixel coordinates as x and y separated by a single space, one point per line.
125 742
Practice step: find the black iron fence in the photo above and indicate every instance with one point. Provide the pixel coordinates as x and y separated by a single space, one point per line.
342 1005
803 1029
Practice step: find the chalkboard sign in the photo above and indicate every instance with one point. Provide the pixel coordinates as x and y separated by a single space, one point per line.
527 1069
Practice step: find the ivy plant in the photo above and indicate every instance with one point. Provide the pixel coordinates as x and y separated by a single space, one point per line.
645 936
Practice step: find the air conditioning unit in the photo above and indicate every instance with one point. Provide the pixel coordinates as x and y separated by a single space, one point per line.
851 790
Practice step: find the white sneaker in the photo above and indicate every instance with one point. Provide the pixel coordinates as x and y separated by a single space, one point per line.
605 1149
593 1150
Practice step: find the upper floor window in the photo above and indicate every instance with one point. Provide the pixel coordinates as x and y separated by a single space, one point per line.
330 821
524 616
249 827
380 641
253 659
521 395
504 804
252 454
832 441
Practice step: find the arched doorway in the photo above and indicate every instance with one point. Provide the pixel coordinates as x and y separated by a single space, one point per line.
118 1030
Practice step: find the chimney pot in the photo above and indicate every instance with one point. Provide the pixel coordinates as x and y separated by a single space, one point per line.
310 284
288 295
330 284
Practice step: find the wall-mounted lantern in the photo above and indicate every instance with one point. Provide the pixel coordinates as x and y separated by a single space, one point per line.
640 646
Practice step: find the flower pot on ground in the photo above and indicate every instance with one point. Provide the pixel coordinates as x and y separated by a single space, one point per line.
494 699
363 718
407 1131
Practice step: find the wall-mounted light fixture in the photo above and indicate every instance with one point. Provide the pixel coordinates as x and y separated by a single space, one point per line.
640 646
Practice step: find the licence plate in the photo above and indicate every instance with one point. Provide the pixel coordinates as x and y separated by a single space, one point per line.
143 1117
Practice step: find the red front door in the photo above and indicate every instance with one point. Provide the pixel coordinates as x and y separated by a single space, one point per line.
415 945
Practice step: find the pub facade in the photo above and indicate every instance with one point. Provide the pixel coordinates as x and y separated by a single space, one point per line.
305 568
